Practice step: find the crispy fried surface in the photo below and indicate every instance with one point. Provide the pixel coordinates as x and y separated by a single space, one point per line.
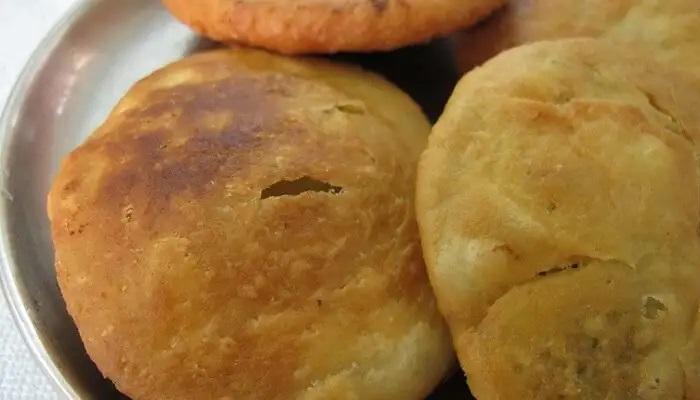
242 227
558 205
668 29
328 26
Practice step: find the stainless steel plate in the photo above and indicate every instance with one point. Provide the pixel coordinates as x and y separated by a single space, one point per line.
75 77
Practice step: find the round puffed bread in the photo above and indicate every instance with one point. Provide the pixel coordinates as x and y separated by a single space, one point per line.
242 226
670 29
329 26
558 202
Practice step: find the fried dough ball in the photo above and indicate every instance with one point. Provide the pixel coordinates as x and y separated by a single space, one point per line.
558 202
242 226
669 30
329 26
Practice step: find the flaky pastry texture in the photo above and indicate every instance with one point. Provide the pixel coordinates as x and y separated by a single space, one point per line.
558 203
242 227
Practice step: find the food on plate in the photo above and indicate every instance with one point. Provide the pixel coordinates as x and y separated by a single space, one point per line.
329 26
669 28
242 226
559 208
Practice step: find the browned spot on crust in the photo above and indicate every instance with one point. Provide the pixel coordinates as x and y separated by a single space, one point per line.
380 5
161 163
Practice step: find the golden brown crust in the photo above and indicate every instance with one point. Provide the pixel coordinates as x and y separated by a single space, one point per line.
600 332
560 192
669 28
315 26
242 227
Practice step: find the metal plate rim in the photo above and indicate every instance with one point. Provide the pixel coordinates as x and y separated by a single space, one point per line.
8 284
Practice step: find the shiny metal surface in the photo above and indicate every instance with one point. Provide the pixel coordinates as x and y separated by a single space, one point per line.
73 80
